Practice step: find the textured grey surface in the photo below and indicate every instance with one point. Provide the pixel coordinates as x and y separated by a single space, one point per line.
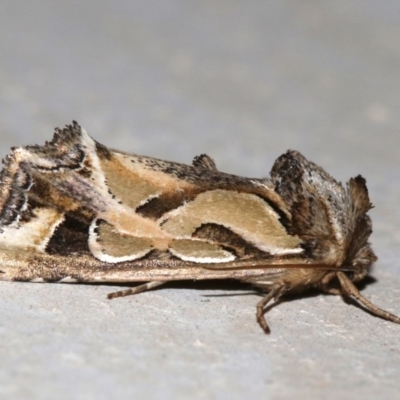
242 82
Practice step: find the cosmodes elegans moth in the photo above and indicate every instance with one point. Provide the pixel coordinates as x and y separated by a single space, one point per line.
74 211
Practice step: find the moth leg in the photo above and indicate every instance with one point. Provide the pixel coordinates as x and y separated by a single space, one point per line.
351 291
276 291
135 290
326 287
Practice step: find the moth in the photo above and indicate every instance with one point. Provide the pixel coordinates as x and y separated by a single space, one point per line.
75 211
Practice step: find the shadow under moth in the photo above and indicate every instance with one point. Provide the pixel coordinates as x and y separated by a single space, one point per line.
75 211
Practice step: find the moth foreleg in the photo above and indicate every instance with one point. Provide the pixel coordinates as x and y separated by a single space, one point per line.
350 290
135 290
275 292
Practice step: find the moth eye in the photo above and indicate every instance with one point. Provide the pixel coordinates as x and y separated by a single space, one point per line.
359 275
350 275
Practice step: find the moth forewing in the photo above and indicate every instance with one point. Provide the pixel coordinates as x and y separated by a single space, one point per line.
74 211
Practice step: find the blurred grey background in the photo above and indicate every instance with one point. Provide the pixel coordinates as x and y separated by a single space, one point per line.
243 82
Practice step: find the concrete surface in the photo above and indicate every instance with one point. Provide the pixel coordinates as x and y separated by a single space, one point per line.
242 81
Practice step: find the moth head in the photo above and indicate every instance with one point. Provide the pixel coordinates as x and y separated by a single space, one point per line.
330 219
359 252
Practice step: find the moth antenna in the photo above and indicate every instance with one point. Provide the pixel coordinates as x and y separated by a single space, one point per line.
135 290
249 265
350 290
275 292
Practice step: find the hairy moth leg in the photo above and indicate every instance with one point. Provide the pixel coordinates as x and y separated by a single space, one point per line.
135 290
349 290
275 292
